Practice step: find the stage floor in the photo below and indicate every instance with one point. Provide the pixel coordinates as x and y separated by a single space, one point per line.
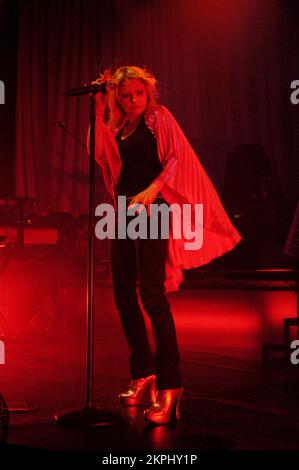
230 402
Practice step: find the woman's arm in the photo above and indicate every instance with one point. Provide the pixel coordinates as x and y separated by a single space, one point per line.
105 145
164 128
169 168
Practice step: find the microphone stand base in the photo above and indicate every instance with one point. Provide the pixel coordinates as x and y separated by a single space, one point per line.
87 417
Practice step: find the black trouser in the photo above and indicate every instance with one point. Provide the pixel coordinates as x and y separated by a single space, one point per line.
144 259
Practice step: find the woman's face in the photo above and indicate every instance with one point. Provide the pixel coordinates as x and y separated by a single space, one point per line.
132 97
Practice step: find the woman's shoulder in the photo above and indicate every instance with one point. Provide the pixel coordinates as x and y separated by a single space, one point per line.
158 109
158 112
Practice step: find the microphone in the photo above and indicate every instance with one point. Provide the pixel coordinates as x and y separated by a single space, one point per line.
86 89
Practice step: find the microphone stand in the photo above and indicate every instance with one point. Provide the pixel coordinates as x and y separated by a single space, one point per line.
62 126
89 415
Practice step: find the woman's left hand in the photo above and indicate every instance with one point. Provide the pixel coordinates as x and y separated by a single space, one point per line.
145 197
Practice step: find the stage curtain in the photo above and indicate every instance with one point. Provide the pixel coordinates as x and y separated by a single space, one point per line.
224 69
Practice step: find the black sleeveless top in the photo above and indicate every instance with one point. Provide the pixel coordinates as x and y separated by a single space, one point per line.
140 161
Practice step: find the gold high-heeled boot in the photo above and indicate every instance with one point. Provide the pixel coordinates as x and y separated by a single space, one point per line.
139 388
167 403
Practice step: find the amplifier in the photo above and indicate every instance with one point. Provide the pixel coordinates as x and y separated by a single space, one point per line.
32 235
31 281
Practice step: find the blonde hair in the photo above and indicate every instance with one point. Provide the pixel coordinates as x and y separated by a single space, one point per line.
116 112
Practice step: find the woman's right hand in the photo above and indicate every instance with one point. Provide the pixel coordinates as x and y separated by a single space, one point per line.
101 97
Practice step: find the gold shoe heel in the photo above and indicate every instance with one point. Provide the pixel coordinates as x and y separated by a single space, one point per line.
141 391
178 405
166 406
